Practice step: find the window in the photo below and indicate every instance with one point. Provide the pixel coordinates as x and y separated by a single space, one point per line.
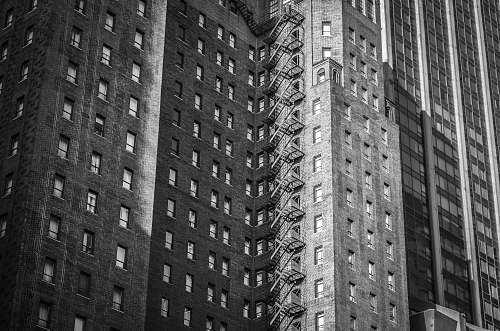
4 51
68 109
246 308
183 7
201 46
362 43
349 197
347 138
260 160
211 260
230 91
390 281
316 109
387 191
262 104
80 6
318 288
371 270
392 312
127 179
49 268
192 218
354 88
317 193
370 239
249 160
189 283
141 8
350 227
366 124
214 199
260 217
62 147
181 33
228 176
210 292
347 112
9 18
375 103
319 321
388 221
348 167
251 78
363 69
262 53
136 72
250 132
121 257
246 277
352 61
262 78
321 75
198 101
259 308
83 284
187 316
259 278
384 135
318 223
178 89
58 189
54 223
164 307
352 292
231 64
250 104
228 206
352 323
179 60
232 40
226 235
215 169
92 202
367 151
229 147
139 39
106 55
124 216
80 323
327 52
385 162
76 37
213 229
220 32
372 299
373 76
44 311
373 51
364 95
326 29
202 20
195 158
19 107
368 180
251 53
352 36
318 255
88 242
174 146
109 23
199 72
223 298
225 267
260 133
118 298
190 250
71 74
130 144
169 237
1 84
171 208
389 250
351 259
317 135
103 89
218 84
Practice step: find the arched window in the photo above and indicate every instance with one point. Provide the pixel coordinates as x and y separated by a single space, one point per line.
321 75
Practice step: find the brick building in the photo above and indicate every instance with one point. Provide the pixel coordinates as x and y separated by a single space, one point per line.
219 165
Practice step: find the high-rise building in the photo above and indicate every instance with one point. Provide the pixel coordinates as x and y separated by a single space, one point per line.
238 164
442 55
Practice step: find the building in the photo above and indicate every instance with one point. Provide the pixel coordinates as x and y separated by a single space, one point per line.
230 164
443 60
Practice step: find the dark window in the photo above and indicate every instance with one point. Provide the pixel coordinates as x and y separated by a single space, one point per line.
84 284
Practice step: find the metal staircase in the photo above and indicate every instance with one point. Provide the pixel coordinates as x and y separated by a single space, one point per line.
284 89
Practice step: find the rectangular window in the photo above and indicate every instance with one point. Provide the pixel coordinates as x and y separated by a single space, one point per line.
58 189
139 39
72 73
83 284
317 135
88 242
44 312
76 37
80 323
171 208
319 323
220 32
230 92
317 193
124 216
349 197
195 159
231 64
109 23
348 167
388 221
164 307
92 202
62 147
136 72
121 257
192 218
193 188
214 199
95 163
212 258
49 269
318 255
326 29
318 223
118 298
189 283
169 238
370 238
371 270
54 224
232 40
106 55
318 288
141 8
187 316
202 19
103 89
352 292
225 267
351 259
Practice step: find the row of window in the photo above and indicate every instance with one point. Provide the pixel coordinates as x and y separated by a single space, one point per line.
209 323
353 320
44 320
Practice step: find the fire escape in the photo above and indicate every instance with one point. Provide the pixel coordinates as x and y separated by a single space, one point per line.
285 66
